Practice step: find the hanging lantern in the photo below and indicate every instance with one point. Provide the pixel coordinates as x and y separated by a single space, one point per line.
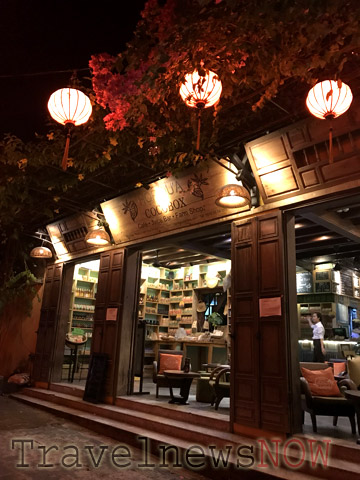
98 237
69 107
328 100
41 252
200 91
233 196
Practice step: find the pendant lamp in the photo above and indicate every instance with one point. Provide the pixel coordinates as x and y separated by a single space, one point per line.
70 107
41 252
233 196
328 100
201 89
98 237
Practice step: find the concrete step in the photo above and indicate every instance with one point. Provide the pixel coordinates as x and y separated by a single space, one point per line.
148 440
109 420
68 389
143 404
177 412
162 422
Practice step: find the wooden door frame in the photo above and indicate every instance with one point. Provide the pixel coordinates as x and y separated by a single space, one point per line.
289 302
63 315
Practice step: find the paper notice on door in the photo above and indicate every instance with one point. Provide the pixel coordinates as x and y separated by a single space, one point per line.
111 314
270 307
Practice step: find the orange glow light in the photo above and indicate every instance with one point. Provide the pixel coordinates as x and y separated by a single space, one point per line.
201 91
69 105
329 99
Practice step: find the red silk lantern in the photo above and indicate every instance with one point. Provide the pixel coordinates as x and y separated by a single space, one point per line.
328 100
200 91
69 106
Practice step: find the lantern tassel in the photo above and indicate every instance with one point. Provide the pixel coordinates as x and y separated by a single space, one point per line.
198 131
66 152
330 143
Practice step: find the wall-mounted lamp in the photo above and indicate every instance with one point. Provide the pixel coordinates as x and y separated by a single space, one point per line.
233 196
41 252
98 237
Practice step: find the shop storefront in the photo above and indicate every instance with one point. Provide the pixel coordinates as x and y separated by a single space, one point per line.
265 305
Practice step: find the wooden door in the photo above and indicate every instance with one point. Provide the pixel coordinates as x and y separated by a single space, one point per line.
259 347
48 323
109 304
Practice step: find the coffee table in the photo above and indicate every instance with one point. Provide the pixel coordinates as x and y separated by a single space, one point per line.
353 396
177 377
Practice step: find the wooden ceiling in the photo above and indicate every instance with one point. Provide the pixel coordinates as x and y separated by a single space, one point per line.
203 246
328 232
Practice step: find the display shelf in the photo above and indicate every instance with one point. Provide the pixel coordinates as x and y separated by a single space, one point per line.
169 297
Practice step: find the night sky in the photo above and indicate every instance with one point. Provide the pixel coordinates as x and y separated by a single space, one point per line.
41 36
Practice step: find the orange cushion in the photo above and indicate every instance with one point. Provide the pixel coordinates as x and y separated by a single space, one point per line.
169 362
339 367
321 382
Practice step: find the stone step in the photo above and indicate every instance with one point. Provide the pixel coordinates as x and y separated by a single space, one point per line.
143 404
177 412
162 423
69 389
175 432
137 437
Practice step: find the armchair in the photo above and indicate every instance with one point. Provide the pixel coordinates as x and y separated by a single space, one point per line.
159 378
353 368
321 405
220 382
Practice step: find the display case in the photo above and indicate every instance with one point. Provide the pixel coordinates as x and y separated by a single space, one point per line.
82 305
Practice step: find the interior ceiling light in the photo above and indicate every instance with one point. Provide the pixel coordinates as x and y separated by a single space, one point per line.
328 100
201 89
98 237
69 107
233 196
322 237
41 252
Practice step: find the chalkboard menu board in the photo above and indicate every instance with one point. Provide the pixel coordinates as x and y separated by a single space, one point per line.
95 382
304 282
346 284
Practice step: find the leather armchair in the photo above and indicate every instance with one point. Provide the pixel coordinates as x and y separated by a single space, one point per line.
159 378
329 406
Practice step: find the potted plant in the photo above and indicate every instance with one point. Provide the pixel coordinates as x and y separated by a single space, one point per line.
215 319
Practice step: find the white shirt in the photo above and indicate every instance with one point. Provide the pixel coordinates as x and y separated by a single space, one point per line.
318 331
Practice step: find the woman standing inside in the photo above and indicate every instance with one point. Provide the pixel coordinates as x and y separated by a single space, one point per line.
318 337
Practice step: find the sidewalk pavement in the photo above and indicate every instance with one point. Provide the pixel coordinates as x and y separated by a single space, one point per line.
54 448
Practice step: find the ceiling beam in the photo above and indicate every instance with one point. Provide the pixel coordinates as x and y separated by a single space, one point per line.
332 222
207 249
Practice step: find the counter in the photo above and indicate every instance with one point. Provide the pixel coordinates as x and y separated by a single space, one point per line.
333 349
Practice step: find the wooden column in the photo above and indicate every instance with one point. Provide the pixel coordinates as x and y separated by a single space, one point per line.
47 325
260 379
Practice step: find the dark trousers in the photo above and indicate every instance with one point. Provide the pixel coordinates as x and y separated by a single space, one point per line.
318 355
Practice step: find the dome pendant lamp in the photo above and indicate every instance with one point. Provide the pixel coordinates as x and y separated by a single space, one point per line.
233 196
70 107
327 100
201 89
41 252
98 237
